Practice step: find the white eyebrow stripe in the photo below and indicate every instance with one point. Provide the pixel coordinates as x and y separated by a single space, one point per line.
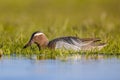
37 34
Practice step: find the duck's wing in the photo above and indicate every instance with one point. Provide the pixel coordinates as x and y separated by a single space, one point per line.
64 43
80 42
72 41
89 40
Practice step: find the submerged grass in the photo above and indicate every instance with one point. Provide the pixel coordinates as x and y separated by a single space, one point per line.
95 18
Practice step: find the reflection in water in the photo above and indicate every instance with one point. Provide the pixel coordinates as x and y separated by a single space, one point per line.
73 57
76 67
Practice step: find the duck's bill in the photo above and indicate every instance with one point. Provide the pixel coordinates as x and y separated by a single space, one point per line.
28 44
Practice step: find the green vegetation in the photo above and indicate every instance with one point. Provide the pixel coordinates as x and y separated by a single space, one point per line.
82 18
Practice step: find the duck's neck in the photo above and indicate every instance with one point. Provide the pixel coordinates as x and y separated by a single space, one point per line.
43 44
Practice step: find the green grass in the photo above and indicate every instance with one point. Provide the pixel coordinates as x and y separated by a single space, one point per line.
85 18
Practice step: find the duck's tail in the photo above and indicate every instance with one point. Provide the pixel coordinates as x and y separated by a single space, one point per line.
99 46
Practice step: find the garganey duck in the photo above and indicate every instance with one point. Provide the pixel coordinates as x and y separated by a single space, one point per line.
68 43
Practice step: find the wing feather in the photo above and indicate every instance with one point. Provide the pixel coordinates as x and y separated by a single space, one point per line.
73 40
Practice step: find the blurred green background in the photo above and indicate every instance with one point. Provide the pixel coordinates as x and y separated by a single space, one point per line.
83 18
42 14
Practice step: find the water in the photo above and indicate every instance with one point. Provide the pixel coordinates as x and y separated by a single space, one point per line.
20 68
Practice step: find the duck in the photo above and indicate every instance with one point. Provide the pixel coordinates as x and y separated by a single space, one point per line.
65 43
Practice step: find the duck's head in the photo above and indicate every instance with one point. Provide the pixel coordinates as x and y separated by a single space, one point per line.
38 38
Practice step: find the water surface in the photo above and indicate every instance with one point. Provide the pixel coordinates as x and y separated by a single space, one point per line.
21 68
